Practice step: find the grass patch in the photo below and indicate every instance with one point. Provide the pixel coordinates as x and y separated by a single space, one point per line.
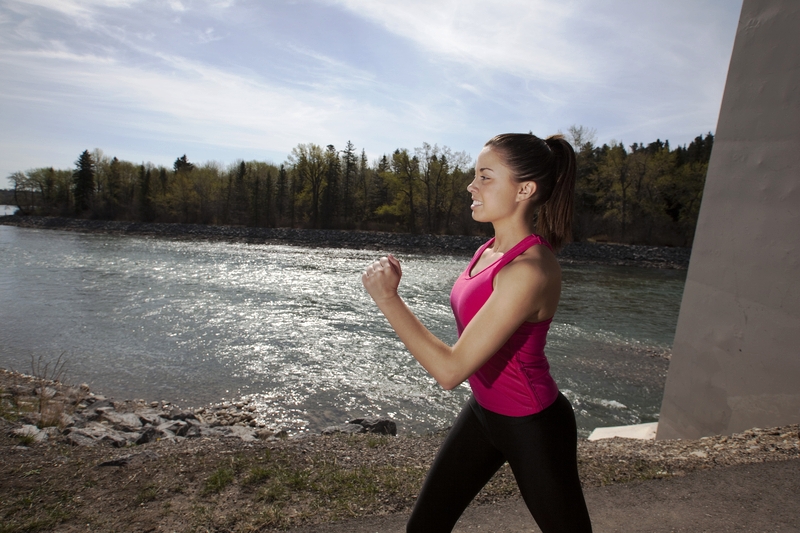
146 494
272 493
257 476
218 480
26 440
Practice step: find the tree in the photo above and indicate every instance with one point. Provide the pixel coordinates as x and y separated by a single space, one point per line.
349 170
613 174
330 196
145 201
310 168
182 165
83 179
281 199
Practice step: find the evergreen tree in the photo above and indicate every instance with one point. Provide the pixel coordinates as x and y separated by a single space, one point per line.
348 179
268 211
280 196
83 179
113 188
330 196
145 204
182 165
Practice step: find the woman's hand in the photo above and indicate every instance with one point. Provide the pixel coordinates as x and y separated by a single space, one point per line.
382 277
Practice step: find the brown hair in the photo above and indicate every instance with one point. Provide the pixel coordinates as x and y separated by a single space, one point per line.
551 164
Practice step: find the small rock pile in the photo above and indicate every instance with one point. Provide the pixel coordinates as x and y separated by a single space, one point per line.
79 417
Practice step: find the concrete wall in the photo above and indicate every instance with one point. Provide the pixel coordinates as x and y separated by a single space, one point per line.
736 355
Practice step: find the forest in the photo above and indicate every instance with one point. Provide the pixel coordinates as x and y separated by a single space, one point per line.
639 194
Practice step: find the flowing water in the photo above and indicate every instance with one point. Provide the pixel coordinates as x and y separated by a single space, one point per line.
292 329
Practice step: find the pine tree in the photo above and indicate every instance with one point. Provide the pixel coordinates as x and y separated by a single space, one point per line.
280 197
182 165
83 179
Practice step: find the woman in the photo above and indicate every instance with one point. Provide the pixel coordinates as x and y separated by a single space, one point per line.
503 303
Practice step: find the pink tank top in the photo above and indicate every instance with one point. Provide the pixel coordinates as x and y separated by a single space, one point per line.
516 380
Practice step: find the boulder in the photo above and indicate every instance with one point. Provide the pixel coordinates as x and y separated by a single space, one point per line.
174 427
66 421
177 414
382 426
344 428
246 434
122 421
149 416
30 430
149 434
100 434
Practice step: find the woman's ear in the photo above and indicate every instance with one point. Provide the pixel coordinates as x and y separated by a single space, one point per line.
526 190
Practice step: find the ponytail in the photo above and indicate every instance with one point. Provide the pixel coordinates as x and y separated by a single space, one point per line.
551 164
554 220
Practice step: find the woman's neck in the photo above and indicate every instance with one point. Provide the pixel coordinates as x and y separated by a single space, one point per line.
506 235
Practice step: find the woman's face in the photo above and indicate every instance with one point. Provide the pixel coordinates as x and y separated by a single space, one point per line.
495 193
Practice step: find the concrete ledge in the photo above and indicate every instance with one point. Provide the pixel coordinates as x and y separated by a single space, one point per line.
636 431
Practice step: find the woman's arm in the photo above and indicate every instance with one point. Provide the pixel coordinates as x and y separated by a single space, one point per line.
524 285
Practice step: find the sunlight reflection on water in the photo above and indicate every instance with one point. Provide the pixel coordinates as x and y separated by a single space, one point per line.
292 328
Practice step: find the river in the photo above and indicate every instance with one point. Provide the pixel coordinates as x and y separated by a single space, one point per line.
291 328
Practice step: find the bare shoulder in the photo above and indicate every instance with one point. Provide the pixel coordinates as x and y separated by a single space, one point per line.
538 262
535 277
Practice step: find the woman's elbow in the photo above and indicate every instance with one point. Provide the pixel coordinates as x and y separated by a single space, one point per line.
451 381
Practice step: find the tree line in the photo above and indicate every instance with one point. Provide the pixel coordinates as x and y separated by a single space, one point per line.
646 194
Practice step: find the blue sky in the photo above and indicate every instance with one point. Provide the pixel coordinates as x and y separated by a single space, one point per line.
148 81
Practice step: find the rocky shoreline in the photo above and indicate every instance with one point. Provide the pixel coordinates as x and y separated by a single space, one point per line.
578 252
73 459
46 410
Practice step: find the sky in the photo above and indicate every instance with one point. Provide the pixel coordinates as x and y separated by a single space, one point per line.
229 80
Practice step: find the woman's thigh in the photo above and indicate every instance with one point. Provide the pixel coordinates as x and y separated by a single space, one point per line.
541 450
465 462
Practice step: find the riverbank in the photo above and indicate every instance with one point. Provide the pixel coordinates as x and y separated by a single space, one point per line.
580 252
219 482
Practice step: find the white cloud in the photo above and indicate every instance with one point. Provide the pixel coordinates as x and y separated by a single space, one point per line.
193 101
81 9
523 37
176 5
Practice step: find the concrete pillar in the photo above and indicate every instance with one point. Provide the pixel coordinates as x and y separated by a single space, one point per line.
736 355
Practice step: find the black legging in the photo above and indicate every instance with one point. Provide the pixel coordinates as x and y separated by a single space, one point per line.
541 450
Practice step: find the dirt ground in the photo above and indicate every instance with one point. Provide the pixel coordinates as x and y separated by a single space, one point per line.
225 484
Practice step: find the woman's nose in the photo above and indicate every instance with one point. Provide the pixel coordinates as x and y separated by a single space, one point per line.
471 187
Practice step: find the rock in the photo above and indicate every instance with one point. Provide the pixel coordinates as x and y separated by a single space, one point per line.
77 438
344 428
21 390
382 426
149 416
177 414
243 433
52 432
193 432
66 421
29 430
175 427
149 434
44 392
99 434
97 408
263 434
122 421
